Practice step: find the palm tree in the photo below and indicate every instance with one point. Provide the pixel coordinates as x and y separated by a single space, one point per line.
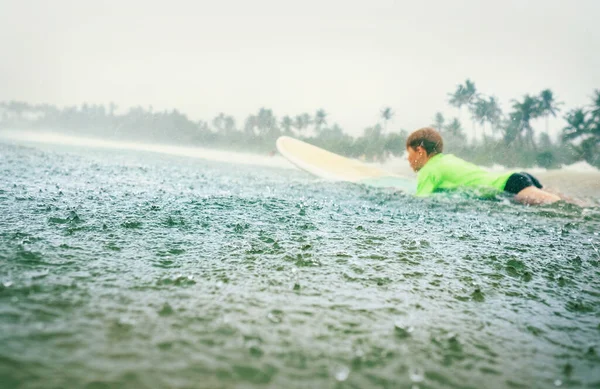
251 125
494 112
266 123
332 133
454 128
577 124
320 119
286 124
229 123
478 112
548 105
298 123
595 113
596 106
512 128
438 121
522 115
463 95
374 140
336 129
219 122
302 121
386 114
486 111
470 90
202 127
587 130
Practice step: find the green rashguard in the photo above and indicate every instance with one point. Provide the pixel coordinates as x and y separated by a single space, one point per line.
445 171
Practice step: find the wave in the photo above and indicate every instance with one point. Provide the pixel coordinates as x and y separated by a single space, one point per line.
47 137
581 166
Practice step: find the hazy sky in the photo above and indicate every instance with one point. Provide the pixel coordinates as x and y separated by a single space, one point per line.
351 58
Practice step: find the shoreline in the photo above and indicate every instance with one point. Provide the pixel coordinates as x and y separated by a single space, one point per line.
219 155
578 179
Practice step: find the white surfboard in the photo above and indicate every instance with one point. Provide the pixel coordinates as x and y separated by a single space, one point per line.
331 166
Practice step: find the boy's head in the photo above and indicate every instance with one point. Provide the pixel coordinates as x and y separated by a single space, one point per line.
422 145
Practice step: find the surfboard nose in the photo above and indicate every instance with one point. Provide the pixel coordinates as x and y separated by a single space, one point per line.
335 167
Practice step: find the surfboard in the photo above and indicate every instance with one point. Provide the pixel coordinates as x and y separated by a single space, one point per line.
331 166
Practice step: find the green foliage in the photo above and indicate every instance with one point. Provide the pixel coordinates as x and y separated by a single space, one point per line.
463 95
320 119
259 132
511 143
583 131
438 121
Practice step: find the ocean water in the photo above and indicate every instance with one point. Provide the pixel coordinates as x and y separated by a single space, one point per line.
131 268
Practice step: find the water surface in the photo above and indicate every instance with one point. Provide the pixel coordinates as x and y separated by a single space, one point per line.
136 269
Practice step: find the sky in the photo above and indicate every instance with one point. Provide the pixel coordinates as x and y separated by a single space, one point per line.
351 58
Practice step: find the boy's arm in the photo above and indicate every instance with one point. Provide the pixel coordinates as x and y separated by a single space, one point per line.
426 185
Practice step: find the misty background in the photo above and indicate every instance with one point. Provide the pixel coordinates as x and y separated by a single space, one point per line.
350 60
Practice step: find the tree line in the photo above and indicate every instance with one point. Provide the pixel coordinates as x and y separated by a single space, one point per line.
502 138
511 139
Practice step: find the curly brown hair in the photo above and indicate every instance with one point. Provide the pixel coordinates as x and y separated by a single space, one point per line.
428 138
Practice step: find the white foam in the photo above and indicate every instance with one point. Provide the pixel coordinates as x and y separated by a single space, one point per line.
581 166
194 152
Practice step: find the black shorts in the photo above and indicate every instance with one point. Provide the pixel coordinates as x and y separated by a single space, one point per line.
519 181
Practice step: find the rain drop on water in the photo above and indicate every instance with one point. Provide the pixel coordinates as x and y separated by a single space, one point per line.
417 375
402 330
275 316
341 373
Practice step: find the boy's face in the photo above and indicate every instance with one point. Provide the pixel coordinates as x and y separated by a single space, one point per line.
417 158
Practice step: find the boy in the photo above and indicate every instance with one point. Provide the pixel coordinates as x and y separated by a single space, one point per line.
445 171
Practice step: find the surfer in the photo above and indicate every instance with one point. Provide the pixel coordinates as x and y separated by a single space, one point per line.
438 171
